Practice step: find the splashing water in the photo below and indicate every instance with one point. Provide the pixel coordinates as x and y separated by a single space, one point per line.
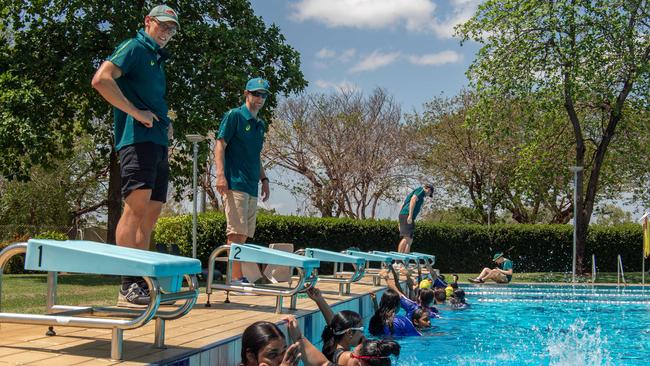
578 346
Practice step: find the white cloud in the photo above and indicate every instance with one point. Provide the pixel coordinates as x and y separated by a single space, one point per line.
365 13
439 58
340 86
462 11
414 15
325 53
348 55
375 61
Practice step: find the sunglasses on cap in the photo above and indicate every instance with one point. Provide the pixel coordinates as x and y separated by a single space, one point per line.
257 93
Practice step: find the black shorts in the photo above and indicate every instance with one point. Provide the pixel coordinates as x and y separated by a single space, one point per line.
406 230
144 166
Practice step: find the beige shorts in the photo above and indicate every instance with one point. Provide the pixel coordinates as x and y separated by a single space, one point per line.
241 212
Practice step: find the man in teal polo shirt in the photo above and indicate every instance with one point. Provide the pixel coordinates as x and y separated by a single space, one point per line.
133 81
409 212
239 166
502 273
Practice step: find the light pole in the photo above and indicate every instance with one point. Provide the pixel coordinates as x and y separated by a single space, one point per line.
194 139
576 170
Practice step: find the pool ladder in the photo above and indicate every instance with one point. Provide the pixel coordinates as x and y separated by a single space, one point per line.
620 275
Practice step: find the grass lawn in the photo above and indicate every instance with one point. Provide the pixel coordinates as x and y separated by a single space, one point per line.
26 293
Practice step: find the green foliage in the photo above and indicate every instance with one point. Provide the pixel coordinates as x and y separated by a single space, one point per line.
458 248
590 58
610 215
55 235
16 265
53 198
52 49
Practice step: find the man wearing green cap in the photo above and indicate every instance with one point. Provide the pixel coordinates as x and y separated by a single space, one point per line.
239 166
502 273
133 81
408 213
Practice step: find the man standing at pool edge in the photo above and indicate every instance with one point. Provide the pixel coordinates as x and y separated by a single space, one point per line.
133 81
239 166
409 212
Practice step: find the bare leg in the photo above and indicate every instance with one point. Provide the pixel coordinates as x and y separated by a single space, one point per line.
143 236
494 275
484 273
236 266
135 210
407 247
404 245
400 246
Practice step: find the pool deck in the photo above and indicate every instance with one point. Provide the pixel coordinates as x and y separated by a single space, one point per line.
205 336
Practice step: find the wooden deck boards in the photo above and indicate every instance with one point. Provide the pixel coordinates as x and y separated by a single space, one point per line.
201 328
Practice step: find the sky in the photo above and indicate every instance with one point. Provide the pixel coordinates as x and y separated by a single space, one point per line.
404 46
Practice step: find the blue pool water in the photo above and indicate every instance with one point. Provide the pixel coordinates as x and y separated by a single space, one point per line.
538 325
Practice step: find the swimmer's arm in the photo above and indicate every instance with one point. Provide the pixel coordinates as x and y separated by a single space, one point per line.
322 304
395 285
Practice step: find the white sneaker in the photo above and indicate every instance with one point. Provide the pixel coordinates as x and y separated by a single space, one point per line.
242 282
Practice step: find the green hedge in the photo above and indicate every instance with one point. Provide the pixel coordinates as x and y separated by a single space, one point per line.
16 264
458 248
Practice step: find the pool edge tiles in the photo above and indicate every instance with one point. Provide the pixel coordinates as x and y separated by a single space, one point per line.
228 351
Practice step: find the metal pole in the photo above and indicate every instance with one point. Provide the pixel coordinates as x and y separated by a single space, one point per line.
575 170
194 139
194 200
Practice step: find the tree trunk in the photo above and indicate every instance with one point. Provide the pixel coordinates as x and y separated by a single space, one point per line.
114 196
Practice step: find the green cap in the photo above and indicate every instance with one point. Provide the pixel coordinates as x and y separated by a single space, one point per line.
497 256
165 14
258 84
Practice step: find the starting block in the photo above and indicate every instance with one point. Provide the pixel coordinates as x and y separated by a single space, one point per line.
384 261
163 273
344 279
307 271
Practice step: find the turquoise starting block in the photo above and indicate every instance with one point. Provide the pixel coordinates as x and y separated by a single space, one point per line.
405 258
307 270
384 261
428 260
344 279
163 274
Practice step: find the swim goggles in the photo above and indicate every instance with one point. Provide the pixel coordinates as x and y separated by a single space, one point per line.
360 329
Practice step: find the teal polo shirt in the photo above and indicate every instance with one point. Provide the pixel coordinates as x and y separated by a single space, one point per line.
506 265
143 83
244 136
419 193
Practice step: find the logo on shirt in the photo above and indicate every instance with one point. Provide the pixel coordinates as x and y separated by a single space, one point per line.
248 128
153 63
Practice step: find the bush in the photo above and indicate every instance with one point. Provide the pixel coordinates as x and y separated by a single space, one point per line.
16 264
458 248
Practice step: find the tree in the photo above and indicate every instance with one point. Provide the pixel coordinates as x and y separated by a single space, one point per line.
590 56
510 167
57 45
60 198
349 150
611 214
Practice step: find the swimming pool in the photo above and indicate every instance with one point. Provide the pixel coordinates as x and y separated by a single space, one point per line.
538 325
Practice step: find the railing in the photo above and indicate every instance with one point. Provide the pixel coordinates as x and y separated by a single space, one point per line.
620 275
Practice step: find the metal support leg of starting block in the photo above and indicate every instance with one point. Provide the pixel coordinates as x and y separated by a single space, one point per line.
294 300
116 344
278 305
52 284
159 341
